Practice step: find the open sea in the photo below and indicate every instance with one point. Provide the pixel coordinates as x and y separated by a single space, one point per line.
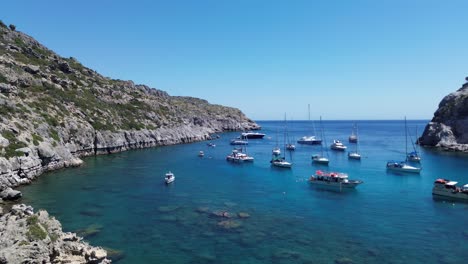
121 202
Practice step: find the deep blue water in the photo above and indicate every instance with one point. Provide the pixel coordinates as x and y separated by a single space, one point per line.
391 218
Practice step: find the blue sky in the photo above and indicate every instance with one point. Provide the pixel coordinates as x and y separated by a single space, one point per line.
348 59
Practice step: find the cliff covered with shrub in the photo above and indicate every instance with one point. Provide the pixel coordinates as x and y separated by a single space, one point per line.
54 110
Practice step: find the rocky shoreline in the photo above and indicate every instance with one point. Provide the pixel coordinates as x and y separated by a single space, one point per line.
448 129
28 237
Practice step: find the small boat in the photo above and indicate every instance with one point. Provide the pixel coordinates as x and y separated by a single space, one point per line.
238 156
338 145
335 179
320 159
201 153
237 141
290 146
169 177
402 166
354 155
448 188
353 138
311 140
280 162
211 144
276 151
252 135
414 156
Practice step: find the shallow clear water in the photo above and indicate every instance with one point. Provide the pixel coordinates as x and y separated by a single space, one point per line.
391 218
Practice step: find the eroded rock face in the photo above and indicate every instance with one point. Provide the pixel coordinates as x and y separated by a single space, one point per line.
28 237
55 111
448 129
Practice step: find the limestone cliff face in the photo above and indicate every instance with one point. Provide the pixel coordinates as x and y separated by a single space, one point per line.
54 110
448 128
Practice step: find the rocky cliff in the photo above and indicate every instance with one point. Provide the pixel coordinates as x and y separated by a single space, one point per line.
448 128
54 110
28 237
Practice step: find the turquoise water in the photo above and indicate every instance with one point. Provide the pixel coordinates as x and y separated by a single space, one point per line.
390 218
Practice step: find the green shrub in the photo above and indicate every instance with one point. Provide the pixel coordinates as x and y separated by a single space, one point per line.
23 243
12 27
3 79
2 24
15 144
32 220
54 134
37 139
35 232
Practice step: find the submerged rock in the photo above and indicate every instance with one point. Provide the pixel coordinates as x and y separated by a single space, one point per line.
243 215
168 208
230 224
89 231
203 209
344 261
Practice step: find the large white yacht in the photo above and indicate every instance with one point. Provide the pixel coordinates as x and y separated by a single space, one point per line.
335 179
448 188
237 156
338 145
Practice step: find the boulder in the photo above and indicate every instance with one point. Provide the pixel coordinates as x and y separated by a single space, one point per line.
33 69
10 194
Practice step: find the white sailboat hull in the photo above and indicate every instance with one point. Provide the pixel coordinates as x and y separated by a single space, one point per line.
403 168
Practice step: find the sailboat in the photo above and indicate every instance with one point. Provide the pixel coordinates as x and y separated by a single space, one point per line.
276 159
354 154
289 146
403 166
414 155
276 150
310 140
353 138
320 159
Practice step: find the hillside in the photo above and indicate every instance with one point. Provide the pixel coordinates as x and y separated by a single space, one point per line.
54 110
448 129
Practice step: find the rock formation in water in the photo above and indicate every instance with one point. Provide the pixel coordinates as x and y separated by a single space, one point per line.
28 237
448 129
54 110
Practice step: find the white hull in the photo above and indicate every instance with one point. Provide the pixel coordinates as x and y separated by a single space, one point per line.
281 164
355 156
349 185
404 168
320 160
450 193
339 148
170 180
169 177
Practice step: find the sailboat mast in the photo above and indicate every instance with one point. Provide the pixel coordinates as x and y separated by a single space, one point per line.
321 135
406 141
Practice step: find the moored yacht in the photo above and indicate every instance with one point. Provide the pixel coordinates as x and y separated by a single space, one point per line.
338 145
448 188
252 135
312 140
238 141
201 153
354 155
320 159
276 151
280 162
290 146
169 177
402 166
414 156
335 179
237 156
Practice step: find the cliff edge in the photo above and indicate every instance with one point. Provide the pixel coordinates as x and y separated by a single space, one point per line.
448 129
54 110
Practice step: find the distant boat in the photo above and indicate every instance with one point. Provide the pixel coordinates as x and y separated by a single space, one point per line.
321 159
403 166
169 177
353 138
252 135
238 157
201 153
338 145
354 154
333 179
414 155
310 140
211 144
237 141
448 188
276 159
289 145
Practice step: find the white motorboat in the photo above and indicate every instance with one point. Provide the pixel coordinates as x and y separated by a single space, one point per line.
238 156
335 179
448 188
338 145
201 153
354 155
252 135
276 151
169 177
290 146
309 140
237 141
402 166
414 156
211 144
320 159
280 162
